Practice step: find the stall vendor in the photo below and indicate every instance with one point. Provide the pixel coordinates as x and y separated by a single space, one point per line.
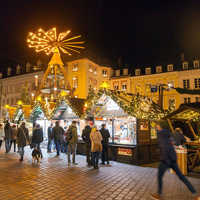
179 138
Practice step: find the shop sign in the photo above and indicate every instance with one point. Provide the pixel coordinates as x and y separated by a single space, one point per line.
99 118
124 152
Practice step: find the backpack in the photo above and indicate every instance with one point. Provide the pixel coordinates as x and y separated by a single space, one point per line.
68 136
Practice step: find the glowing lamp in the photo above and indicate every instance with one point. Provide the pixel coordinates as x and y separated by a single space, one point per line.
7 106
104 85
63 93
19 103
39 98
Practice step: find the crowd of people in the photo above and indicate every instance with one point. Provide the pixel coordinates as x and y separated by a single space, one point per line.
62 139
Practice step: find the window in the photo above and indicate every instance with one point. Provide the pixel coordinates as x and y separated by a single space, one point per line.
104 73
148 70
1 75
186 83
125 72
171 104
158 69
116 86
170 68
196 64
90 68
197 83
75 67
137 72
75 82
124 86
117 72
95 72
197 99
18 69
185 65
187 100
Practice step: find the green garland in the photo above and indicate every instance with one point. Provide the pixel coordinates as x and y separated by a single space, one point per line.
187 91
133 105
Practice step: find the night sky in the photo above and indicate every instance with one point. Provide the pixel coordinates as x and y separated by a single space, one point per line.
140 32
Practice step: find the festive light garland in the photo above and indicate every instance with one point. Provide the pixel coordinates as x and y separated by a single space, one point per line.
134 105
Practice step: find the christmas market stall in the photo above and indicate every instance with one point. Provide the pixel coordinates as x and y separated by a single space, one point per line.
187 117
128 118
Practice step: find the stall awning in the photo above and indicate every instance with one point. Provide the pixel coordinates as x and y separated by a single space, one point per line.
186 112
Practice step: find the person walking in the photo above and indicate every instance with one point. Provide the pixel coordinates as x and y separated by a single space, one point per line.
179 138
50 138
57 133
72 140
96 146
2 134
105 135
13 137
8 135
86 138
168 160
37 138
22 139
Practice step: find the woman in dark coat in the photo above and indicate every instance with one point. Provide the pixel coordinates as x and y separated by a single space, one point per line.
22 139
8 136
37 137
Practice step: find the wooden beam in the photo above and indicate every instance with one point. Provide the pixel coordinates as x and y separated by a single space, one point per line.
191 129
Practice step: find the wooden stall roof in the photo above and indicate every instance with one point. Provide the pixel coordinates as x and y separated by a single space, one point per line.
186 112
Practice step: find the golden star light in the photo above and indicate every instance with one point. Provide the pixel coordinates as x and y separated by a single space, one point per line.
50 41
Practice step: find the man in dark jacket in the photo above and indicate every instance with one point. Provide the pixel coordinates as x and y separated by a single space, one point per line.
58 133
50 138
8 136
105 135
168 159
37 137
86 138
22 139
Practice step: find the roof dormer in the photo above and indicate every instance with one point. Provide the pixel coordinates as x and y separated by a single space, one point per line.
185 65
9 71
158 69
125 71
138 72
196 64
148 70
18 69
170 68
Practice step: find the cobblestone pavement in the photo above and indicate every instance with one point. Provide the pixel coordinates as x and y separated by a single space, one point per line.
53 179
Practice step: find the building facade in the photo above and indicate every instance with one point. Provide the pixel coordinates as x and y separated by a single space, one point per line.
81 74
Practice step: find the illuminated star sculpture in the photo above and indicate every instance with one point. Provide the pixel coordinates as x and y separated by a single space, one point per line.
50 41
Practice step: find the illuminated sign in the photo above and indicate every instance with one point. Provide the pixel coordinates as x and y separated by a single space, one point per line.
124 152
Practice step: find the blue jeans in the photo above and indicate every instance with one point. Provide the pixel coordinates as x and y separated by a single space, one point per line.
57 143
163 168
21 151
7 145
50 143
95 158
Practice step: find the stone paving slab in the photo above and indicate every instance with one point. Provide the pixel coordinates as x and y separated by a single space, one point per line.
53 179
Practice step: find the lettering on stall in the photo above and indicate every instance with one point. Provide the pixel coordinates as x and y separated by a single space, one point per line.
124 152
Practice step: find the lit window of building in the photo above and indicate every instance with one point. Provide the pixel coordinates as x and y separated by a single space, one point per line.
158 69
186 83
95 71
75 82
90 68
75 67
124 86
147 70
116 86
185 65
170 68
104 73
187 100
18 69
196 64
125 72
137 72
197 83
197 99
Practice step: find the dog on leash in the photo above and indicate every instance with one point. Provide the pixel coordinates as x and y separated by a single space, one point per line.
36 155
